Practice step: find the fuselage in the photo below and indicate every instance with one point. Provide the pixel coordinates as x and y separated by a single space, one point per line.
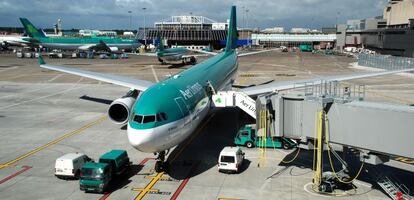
168 112
77 43
171 54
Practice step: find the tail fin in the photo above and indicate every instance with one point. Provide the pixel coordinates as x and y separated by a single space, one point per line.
31 30
232 31
160 42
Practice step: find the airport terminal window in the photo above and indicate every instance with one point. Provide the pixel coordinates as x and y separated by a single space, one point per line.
138 119
148 119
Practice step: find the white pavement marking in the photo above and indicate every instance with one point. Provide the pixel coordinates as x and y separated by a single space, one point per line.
43 97
11 95
55 77
153 72
72 87
3 70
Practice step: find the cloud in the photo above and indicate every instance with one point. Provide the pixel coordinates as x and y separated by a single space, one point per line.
113 14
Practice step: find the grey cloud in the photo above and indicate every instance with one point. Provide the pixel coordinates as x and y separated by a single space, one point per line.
112 14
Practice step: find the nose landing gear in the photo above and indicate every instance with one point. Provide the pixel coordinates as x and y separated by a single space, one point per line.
161 165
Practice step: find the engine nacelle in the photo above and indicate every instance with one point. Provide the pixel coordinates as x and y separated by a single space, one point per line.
119 109
114 48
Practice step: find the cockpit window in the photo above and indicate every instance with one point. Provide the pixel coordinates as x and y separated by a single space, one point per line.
138 119
148 119
142 119
161 117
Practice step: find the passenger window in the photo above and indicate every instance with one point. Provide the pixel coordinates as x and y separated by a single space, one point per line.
138 119
148 119
244 133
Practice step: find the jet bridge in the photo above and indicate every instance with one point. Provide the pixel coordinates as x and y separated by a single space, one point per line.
375 128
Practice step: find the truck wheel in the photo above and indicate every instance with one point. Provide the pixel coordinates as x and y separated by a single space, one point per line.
286 146
249 144
77 174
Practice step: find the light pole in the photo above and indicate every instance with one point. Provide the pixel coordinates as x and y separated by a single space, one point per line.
247 24
130 19
145 35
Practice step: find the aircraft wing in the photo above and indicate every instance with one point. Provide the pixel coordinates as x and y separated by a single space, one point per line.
284 85
109 78
86 47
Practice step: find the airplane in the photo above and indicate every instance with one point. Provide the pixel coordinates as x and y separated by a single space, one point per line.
160 116
65 43
13 40
172 54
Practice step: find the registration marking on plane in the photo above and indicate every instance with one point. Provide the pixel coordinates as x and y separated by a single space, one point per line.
53 142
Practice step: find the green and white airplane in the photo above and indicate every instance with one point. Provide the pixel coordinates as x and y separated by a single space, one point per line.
110 44
172 54
159 116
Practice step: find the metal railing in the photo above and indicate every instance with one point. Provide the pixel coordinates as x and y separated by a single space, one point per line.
385 62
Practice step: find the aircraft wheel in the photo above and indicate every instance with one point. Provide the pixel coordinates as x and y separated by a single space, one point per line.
193 60
159 166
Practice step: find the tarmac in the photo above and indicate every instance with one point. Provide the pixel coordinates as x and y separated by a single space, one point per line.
46 114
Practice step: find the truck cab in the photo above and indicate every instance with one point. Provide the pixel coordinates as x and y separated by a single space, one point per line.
246 136
95 177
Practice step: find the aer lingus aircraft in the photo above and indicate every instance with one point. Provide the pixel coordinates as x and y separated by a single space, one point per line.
159 116
110 44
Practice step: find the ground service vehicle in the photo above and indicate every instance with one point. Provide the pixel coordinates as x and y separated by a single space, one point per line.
230 159
247 137
97 176
69 165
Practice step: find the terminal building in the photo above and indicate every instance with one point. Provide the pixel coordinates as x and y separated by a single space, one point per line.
398 37
317 40
187 31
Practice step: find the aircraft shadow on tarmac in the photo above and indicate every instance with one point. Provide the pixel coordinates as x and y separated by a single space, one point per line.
95 99
370 173
178 65
126 178
199 155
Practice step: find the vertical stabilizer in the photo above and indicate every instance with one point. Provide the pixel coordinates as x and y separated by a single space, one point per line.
31 30
232 31
160 46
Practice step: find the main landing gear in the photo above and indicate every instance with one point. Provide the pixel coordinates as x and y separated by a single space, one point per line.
161 165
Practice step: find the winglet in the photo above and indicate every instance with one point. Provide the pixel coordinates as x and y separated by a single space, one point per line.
40 60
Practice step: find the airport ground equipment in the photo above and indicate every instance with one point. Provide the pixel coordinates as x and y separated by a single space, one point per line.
97 176
247 136
305 48
375 130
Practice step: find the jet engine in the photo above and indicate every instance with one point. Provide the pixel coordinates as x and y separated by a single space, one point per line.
120 109
114 49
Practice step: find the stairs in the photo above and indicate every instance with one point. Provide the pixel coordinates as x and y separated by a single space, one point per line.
390 186
235 99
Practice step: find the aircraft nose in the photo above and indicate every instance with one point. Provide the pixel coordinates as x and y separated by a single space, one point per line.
141 139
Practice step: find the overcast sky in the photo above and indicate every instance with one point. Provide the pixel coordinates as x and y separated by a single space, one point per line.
113 14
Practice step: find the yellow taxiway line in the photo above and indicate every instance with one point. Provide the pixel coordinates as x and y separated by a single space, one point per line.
53 142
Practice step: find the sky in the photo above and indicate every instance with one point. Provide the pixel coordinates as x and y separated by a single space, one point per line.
113 14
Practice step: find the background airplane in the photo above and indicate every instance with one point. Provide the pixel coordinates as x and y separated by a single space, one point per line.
10 40
111 44
159 116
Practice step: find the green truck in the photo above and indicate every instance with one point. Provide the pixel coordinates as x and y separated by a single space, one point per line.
96 177
247 137
305 48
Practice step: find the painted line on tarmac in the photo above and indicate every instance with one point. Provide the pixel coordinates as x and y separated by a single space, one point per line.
184 182
42 97
3 70
55 77
401 100
53 142
155 74
156 178
25 168
142 163
12 95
